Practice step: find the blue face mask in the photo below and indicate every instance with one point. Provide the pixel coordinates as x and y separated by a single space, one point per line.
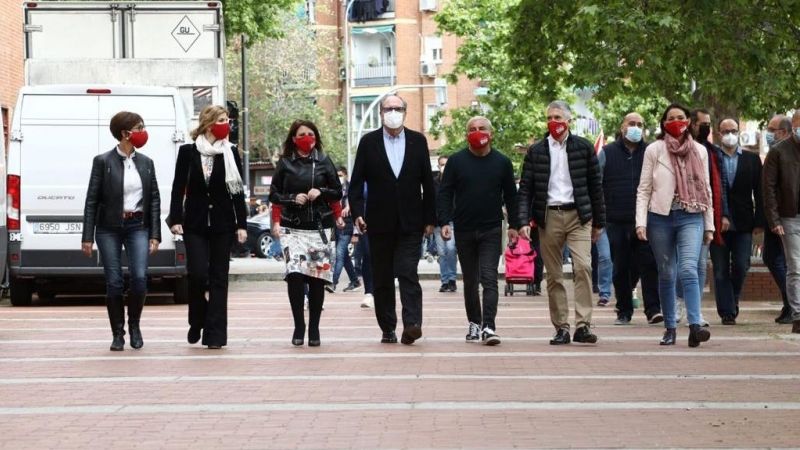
770 137
797 133
634 134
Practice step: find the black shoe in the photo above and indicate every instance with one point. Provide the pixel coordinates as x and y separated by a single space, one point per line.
669 337
313 343
473 335
785 316
136 336
622 319
796 326
330 288
135 306
584 335
537 289
194 335
116 316
118 344
410 334
655 318
728 320
299 335
595 289
445 287
561 337
697 334
352 287
214 347
452 286
389 337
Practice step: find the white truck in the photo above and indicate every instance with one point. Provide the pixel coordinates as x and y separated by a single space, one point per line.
86 61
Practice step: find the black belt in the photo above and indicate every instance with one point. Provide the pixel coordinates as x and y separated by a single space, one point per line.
128 215
564 207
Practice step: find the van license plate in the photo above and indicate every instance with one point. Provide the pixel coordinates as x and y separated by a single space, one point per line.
58 227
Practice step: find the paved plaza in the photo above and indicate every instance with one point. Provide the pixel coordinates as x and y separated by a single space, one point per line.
61 388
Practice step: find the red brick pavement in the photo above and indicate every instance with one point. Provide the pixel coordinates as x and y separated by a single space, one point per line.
60 387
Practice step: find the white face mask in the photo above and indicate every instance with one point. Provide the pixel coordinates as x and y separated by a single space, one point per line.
393 119
341 181
730 140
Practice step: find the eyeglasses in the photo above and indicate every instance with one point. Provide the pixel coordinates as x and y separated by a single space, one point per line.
733 132
394 108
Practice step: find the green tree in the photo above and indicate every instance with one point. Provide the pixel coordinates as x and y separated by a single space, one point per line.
611 114
515 107
735 57
282 87
256 19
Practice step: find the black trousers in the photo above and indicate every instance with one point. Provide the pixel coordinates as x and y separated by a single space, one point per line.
479 253
538 262
631 256
208 263
396 255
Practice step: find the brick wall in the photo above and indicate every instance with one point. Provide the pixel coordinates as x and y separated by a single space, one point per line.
11 61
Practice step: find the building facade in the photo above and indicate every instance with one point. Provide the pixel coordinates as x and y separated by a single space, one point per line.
392 44
11 60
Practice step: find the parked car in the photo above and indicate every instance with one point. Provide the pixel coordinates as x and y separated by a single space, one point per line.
259 235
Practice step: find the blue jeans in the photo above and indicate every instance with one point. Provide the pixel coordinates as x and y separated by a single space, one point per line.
731 262
605 268
479 252
774 259
275 249
702 268
448 259
136 239
343 258
676 241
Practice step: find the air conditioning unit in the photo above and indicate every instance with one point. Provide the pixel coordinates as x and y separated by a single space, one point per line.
427 69
747 138
427 5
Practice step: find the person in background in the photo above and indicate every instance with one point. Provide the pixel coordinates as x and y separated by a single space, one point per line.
778 129
208 208
445 249
123 207
305 187
674 213
343 238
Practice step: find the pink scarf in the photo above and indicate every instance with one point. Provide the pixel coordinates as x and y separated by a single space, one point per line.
690 185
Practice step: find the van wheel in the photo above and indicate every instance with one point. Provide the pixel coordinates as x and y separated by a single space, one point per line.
180 291
21 291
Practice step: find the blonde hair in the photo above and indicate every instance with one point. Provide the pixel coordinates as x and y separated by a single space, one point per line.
208 117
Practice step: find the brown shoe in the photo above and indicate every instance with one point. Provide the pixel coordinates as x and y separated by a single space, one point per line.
796 326
411 334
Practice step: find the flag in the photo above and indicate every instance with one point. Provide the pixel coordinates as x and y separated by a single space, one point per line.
599 143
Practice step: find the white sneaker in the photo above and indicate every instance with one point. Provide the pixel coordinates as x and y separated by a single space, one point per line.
305 304
367 302
679 303
489 337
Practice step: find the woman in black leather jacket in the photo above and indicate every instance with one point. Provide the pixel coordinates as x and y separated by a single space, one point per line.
123 205
207 207
304 185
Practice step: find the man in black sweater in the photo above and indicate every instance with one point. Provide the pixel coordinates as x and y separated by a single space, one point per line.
479 181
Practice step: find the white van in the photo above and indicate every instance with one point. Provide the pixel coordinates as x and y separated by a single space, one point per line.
55 133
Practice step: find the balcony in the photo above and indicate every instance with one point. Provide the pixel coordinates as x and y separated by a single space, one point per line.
375 74
369 10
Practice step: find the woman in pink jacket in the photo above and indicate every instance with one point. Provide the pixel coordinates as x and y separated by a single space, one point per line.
674 212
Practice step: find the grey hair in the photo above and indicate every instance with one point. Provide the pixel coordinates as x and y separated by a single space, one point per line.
480 118
405 105
785 124
562 105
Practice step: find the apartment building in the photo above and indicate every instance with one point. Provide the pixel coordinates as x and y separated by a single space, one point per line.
392 43
11 60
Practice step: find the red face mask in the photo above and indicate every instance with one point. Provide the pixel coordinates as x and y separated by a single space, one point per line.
557 129
138 138
305 144
676 127
221 130
478 139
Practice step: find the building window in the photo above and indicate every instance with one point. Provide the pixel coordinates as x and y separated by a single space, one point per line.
430 111
433 47
201 97
360 109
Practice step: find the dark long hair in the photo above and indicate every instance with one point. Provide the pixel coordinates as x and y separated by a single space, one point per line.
664 119
288 145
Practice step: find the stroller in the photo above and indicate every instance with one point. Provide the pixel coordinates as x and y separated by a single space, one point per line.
519 266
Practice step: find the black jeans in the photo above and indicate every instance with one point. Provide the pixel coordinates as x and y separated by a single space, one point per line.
208 263
538 262
774 259
626 248
479 253
396 255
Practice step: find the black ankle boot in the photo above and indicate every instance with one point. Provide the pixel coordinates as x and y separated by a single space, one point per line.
299 335
698 334
669 337
116 316
135 306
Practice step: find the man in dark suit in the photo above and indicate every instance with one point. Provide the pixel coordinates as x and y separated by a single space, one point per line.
731 258
394 162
